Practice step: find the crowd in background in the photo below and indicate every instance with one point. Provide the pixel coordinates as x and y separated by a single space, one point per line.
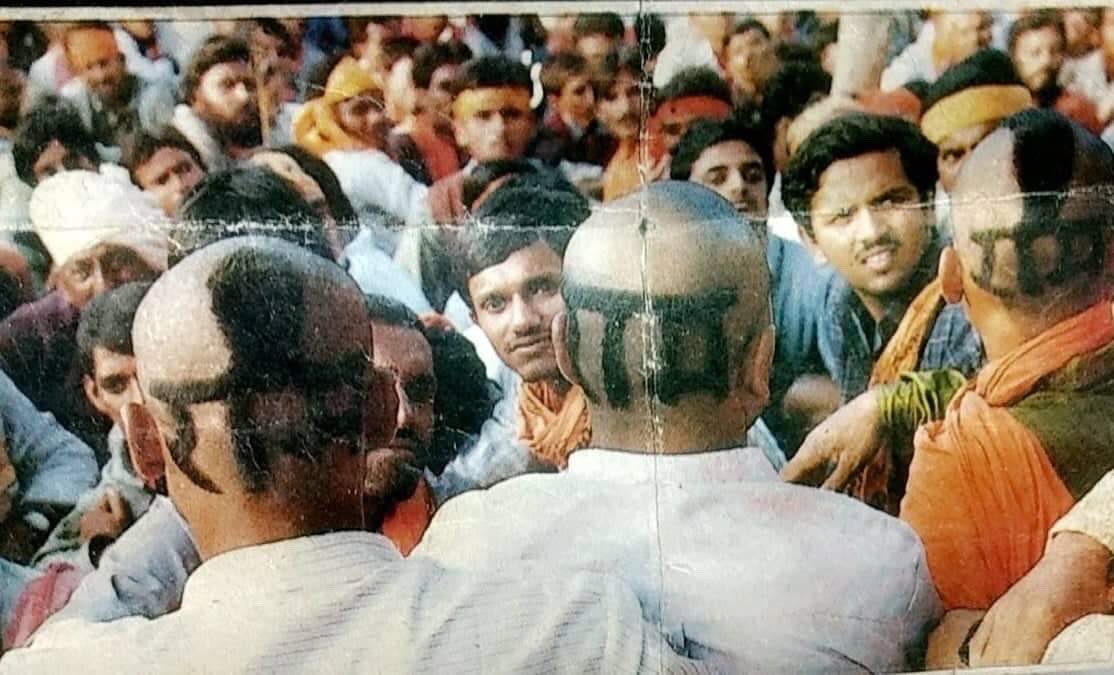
864 252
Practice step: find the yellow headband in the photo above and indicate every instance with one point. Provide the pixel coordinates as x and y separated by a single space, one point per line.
972 106
470 101
347 79
315 128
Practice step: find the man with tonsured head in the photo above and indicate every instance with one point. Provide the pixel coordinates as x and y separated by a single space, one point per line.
672 346
259 402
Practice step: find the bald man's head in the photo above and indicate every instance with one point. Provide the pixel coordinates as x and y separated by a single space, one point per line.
676 316
1031 210
266 338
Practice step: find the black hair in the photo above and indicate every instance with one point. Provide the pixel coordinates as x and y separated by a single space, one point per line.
243 201
649 33
106 322
493 71
213 52
694 81
558 68
747 25
391 312
137 148
488 172
984 67
274 28
628 60
398 47
609 25
850 136
340 207
744 125
52 119
464 399
919 88
1043 18
12 293
795 86
428 58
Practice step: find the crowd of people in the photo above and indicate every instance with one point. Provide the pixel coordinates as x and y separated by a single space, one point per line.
582 343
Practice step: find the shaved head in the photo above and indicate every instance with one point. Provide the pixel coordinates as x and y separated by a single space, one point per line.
266 337
672 320
1032 211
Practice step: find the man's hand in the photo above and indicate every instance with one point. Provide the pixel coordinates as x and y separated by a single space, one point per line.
837 450
110 516
1070 581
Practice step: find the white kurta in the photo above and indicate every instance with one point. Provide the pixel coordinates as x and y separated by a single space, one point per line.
724 556
349 603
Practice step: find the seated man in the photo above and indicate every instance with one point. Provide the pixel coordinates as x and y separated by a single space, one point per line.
269 469
672 348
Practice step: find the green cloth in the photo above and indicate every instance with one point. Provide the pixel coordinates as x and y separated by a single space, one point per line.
915 399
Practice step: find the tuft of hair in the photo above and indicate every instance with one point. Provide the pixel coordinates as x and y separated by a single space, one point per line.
1044 151
849 136
340 207
486 72
245 201
106 322
213 52
694 81
559 68
795 86
745 124
428 58
385 310
52 119
488 172
137 148
1038 20
984 67
609 25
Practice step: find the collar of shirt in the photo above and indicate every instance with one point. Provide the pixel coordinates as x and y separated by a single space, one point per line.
263 569
717 466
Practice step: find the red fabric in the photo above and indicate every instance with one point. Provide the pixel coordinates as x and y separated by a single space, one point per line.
1079 109
691 107
440 155
40 600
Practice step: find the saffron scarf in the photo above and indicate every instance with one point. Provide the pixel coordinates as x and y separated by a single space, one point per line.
553 426
984 488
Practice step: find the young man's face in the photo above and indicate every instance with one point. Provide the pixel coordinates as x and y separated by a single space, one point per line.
406 354
364 118
868 222
169 175
95 59
595 48
438 98
56 158
225 96
955 148
112 384
734 170
499 126
577 101
750 62
514 304
1038 55
674 125
99 269
620 108
399 96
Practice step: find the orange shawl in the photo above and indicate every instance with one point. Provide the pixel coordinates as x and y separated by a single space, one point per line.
438 154
408 521
550 427
982 491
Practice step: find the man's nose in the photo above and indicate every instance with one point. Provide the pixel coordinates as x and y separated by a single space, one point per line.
405 410
131 394
241 92
869 227
524 318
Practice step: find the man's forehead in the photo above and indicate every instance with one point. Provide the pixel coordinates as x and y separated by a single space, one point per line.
537 259
401 348
988 172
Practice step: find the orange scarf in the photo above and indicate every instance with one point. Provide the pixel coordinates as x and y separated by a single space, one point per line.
551 427
406 524
982 492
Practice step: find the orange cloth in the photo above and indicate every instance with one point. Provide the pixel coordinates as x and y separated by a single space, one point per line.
621 176
439 154
982 492
406 524
686 108
316 127
551 427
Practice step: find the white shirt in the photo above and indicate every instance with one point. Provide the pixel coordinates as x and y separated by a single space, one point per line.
348 602
723 556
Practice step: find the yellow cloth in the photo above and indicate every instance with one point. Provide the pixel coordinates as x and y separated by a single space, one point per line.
316 127
972 106
550 426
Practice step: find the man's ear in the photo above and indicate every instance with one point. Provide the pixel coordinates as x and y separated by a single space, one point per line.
146 446
92 392
381 411
950 274
809 242
460 135
759 361
559 333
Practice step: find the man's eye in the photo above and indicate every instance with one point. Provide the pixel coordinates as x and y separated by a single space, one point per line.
753 175
493 305
843 215
717 176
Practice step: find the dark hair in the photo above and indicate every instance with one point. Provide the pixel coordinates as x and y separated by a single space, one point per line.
609 25
795 86
488 172
627 60
493 71
694 81
428 58
387 310
398 47
274 28
340 207
464 400
245 201
1044 18
558 68
213 52
986 66
744 125
516 218
53 119
137 148
649 33
747 25
106 322
849 136
918 88
12 293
